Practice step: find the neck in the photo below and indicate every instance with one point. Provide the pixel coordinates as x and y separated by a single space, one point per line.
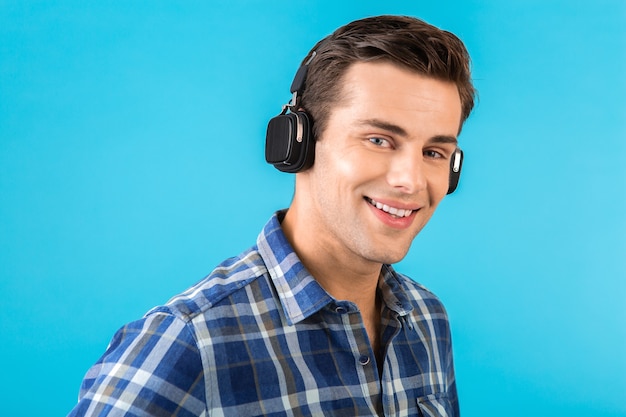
343 276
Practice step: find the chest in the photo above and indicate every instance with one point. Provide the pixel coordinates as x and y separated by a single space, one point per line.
324 365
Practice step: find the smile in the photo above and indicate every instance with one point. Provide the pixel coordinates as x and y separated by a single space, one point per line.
396 212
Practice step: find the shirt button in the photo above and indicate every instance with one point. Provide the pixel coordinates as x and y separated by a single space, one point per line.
340 310
364 360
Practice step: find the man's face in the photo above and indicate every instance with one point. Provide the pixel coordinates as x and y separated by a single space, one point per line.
382 163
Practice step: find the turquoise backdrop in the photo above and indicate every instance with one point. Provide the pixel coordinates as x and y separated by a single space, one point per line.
131 162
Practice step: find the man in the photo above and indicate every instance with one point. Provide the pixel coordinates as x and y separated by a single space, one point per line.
313 320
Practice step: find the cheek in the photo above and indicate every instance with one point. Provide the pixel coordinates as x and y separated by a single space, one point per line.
439 183
346 167
352 168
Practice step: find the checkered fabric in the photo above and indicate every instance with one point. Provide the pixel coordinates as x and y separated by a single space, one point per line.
260 337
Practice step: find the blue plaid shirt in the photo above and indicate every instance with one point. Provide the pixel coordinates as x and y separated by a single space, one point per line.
260 337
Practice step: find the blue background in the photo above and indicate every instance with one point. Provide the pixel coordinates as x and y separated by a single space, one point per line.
131 162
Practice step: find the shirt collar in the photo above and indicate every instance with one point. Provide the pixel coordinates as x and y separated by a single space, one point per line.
299 293
392 290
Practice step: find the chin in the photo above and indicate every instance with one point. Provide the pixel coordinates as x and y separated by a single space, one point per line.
391 258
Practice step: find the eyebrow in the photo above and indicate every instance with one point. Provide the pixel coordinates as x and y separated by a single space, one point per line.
398 130
444 139
380 124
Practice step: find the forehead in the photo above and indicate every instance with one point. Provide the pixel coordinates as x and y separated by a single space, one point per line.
387 91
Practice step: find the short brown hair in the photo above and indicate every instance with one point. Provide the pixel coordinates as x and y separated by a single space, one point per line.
402 40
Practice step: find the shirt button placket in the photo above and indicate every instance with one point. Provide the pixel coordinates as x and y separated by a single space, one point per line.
364 360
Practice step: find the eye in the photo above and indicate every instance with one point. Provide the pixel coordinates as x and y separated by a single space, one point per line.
433 154
381 142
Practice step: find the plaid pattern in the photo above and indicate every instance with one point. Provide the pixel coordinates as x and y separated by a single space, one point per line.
260 337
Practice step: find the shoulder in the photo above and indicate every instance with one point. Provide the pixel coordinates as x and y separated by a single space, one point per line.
426 304
159 352
416 290
226 279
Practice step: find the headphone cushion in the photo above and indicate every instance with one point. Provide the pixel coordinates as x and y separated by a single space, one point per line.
289 144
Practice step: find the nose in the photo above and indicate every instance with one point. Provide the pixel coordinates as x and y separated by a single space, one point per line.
407 172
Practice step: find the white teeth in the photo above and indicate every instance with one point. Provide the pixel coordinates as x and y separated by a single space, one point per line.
391 210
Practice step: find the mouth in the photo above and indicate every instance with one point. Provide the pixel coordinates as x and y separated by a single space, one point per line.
393 211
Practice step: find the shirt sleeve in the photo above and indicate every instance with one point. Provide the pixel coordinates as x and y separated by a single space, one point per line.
451 377
151 368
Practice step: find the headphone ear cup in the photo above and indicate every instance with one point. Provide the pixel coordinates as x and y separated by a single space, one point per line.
289 143
456 163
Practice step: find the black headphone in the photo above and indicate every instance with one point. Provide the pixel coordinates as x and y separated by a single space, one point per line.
290 145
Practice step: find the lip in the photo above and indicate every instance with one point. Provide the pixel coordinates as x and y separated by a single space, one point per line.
390 220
